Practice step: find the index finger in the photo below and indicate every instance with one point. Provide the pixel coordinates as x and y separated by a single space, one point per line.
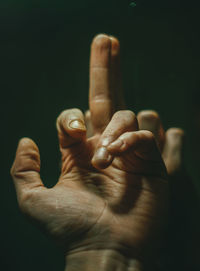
100 95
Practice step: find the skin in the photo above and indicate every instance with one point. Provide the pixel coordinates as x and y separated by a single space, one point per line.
110 203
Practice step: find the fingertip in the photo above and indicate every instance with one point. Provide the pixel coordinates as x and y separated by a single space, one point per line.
27 147
147 135
71 122
150 120
175 132
27 157
173 150
25 172
102 158
174 142
101 40
76 129
100 52
115 45
148 116
175 139
26 143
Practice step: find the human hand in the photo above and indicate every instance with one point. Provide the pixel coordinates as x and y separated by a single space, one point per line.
110 201
181 245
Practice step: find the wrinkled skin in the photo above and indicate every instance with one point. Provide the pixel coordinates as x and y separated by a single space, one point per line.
112 198
117 207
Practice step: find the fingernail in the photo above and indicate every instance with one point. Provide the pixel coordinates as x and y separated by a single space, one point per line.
77 124
102 154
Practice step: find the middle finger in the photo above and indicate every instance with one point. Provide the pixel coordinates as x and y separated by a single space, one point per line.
105 81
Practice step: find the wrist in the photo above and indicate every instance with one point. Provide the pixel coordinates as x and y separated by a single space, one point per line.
102 260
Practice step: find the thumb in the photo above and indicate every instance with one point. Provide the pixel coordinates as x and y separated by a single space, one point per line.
26 168
71 128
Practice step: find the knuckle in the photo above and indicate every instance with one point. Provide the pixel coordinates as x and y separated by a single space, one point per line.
17 172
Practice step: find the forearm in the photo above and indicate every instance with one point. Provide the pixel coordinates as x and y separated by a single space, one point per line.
99 260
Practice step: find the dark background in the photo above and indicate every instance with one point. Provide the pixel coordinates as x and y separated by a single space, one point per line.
44 56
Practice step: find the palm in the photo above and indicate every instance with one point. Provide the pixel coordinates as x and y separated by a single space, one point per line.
86 200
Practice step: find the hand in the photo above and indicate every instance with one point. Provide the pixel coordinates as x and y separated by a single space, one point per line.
112 195
182 212
183 225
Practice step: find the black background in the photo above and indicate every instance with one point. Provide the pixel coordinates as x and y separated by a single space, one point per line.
44 52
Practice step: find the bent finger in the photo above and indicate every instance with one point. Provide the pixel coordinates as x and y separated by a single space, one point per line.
122 121
142 142
145 155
